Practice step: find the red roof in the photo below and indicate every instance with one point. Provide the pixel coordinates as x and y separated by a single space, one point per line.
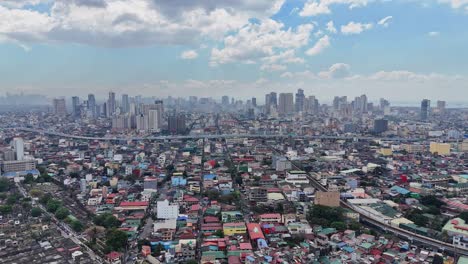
255 232
136 203
113 255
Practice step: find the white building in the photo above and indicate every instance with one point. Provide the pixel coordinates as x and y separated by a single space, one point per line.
297 177
18 145
166 210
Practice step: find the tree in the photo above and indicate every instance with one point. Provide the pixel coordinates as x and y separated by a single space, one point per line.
76 225
340 226
192 261
106 220
62 213
4 184
219 233
464 216
36 212
94 232
36 193
5 209
29 178
354 225
45 198
53 205
429 200
438 259
12 199
158 249
116 239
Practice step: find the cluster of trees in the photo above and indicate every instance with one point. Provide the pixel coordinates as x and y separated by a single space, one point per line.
330 217
61 212
107 223
432 206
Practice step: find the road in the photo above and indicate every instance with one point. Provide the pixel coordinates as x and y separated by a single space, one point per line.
366 217
64 228
214 136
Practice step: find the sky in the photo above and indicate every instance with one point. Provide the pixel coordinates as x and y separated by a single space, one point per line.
402 50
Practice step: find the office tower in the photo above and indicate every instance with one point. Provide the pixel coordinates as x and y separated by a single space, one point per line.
384 103
92 105
300 100
176 123
111 105
254 102
360 104
286 103
8 155
125 104
60 108
153 120
160 107
18 147
441 106
380 125
76 111
142 122
225 100
193 100
425 108
340 102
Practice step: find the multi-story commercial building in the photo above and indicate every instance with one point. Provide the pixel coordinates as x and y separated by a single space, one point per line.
300 97
165 210
425 108
258 194
380 125
60 108
286 103
297 177
439 148
18 147
18 165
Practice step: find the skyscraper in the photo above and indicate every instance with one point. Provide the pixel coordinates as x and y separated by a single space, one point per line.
92 105
300 100
254 102
286 103
60 108
76 106
18 146
380 125
441 106
425 108
225 100
111 104
176 123
125 104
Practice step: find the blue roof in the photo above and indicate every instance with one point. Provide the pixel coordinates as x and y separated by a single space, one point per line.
348 249
209 176
400 190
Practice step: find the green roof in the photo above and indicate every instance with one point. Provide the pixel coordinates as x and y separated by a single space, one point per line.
216 254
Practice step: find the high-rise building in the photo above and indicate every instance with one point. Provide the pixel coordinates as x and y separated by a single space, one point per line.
153 120
18 147
225 100
76 110
111 104
286 103
125 104
254 102
300 100
425 108
176 123
380 125
60 108
441 106
92 105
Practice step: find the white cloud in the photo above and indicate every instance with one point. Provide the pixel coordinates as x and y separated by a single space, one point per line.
287 56
336 71
318 7
256 41
273 67
355 28
403 75
433 34
456 3
385 21
331 27
319 46
123 23
189 55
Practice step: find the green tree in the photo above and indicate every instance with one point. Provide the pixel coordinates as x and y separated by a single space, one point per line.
53 205
340 226
192 261
45 198
464 216
12 199
353 225
62 213
159 247
36 212
219 233
29 178
4 184
106 220
116 239
76 225
5 209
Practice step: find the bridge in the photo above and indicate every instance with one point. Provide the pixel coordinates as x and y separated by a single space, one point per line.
214 136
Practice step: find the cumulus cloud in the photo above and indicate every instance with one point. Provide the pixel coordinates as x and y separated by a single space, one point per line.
336 71
456 3
273 67
433 34
319 46
385 21
331 27
189 55
319 7
260 40
123 23
355 28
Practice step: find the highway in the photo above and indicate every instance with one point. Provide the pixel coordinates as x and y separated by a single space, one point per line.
365 216
213 136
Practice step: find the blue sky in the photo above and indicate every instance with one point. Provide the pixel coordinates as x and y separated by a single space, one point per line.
401 50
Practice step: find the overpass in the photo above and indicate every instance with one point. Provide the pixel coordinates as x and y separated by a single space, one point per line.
367 217
213 136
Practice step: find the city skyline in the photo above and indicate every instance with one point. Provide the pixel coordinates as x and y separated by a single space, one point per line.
244 48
